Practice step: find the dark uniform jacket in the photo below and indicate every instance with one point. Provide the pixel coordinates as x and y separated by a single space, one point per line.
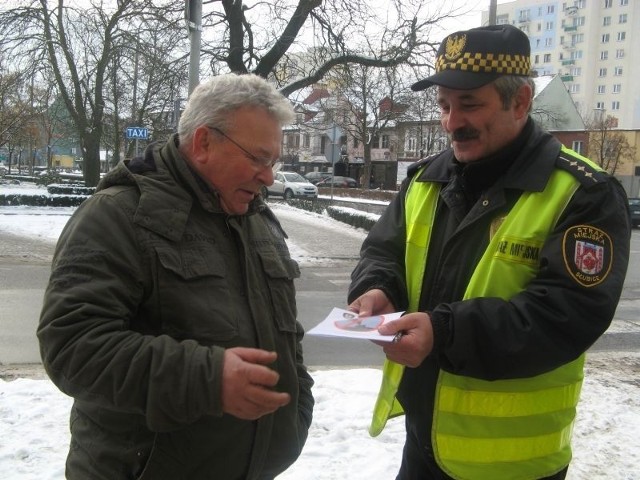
151 281
550 323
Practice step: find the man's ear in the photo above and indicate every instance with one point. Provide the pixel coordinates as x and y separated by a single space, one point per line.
522 100
200 144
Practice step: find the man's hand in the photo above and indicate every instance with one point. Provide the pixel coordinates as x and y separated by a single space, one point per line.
247 384
415 342
373 302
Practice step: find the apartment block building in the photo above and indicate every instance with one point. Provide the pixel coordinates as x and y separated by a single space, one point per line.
592 45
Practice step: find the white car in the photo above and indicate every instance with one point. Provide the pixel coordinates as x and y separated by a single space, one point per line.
290 185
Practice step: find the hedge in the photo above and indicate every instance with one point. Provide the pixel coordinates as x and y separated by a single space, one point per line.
41 200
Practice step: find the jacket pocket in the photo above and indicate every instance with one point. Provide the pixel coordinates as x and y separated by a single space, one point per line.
281 272
193 295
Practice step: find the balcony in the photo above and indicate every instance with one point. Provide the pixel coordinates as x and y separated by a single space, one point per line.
570 28
572 10
568 62
566 78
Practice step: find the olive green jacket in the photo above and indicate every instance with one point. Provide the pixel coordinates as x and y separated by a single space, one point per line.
151 281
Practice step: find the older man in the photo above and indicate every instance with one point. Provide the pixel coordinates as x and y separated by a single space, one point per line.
509 252
170 314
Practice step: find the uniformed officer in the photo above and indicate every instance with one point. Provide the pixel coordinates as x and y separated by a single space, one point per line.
509 253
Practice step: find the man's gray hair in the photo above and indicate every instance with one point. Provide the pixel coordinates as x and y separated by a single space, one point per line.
508 85
212 101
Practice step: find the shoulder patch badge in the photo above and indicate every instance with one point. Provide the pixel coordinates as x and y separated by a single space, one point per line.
587 253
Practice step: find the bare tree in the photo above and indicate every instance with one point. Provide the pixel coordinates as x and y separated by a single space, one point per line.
424 122
366 102
78 45
607 147
14 107
298 43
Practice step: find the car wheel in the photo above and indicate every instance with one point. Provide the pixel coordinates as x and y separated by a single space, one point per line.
288 194
265 192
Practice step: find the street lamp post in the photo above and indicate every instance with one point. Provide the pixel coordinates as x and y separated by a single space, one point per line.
193 16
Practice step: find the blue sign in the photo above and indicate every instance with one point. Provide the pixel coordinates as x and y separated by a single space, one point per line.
137 132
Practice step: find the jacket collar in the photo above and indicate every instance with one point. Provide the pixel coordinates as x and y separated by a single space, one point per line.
530 170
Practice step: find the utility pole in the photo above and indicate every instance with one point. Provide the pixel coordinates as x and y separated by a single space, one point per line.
193 16
493 8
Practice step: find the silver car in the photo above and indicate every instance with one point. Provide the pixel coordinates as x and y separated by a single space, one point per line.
290 185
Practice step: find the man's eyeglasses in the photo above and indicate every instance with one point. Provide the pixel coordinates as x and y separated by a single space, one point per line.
261 162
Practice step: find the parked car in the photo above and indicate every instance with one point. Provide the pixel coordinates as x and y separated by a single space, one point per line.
338 181
634 209
315 177
290 185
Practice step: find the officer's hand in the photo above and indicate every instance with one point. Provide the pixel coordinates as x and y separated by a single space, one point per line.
373 302
415 343
247 384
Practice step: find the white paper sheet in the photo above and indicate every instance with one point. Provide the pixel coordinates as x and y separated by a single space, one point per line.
344 323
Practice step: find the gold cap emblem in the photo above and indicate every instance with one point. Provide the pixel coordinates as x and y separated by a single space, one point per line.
455 46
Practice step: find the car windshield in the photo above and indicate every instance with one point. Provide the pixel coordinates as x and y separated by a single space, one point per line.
295 178
634 202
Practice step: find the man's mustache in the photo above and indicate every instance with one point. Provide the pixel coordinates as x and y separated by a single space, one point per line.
463 134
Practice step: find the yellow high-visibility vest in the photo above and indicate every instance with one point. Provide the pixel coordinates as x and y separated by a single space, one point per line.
504 429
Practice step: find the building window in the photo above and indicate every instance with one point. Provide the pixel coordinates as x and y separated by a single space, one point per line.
549 26
620 53
537 59
618 71
579 38
580 3
385 141
602 89
551 8
576 55
323 141
606 21
622 36
615 105
617 88
604 55
574 88
411 144
577 146
602 72
599 105
604 38
622 18
355 142
624 3
548 42
576 71
547 57
608 3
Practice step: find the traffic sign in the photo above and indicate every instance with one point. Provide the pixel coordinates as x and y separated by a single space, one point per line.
137 132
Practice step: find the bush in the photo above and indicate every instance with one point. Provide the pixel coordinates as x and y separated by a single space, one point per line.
42 200
353 217
315 206
57 189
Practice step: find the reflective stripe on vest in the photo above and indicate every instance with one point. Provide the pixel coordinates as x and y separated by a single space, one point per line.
524 425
